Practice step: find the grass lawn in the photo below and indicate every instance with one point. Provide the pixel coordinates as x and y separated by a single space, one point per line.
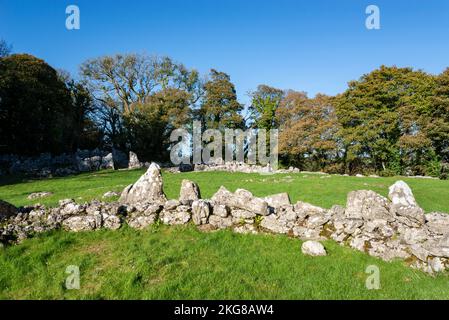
183 263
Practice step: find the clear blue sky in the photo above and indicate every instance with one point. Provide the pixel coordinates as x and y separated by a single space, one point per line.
315 46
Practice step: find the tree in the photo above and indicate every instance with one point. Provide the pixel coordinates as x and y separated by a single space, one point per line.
265 102
220 108
124 83
307 131
152 122
438 127
382 119
36 110
5 48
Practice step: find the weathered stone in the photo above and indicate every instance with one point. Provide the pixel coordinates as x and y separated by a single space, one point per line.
438 222
316 221
189 192
7 210
82 223
401 195
220 210
275 224
313 248
38 195
368 205
306 209
278 200
133 162
242 214
241 199
69 207
304 233
404 203
178 217
148 189
111 194
171 204
200 212
220 222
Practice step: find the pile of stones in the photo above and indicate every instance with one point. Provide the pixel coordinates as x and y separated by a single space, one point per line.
388 228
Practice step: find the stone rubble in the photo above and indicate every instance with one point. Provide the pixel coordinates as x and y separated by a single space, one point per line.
388 228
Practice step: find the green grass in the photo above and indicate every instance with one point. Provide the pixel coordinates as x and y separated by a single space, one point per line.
432 195
183 263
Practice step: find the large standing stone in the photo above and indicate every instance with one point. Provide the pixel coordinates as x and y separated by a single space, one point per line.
241 199
189 192
133 162
7 210
404 203
148 189
313 248
368 205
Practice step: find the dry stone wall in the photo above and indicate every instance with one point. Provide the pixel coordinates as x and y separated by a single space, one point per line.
388 228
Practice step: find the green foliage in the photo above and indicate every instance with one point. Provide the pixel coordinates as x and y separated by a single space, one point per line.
38 111
220 108
265 102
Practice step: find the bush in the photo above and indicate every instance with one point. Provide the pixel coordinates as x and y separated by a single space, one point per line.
444 171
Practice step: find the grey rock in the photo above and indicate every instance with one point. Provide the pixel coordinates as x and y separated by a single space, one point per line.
38 195
189 192
220 222
438 222
134 162
200 212
220 210
241 199
148 189
278 200
368 205
313 248
82 223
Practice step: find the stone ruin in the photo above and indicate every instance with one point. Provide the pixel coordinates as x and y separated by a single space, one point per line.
387 228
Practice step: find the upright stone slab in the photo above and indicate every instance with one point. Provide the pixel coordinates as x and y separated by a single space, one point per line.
189 192
404 203
148 189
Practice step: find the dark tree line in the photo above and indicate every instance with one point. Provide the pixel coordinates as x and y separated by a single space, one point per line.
390 121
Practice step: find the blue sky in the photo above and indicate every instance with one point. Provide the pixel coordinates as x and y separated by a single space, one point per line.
314 46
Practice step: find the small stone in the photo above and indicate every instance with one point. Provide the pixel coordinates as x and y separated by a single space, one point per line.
313 248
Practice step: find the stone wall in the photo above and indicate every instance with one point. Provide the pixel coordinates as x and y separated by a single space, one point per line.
388 228
47 165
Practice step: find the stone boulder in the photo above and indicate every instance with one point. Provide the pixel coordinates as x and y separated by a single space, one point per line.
148 189
278 200
134 162
200 212
7 210
313 248
82 223
405 205
368 205
438 222
189 192
241 199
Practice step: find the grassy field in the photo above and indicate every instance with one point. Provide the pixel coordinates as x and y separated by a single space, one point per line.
183 263
324 191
